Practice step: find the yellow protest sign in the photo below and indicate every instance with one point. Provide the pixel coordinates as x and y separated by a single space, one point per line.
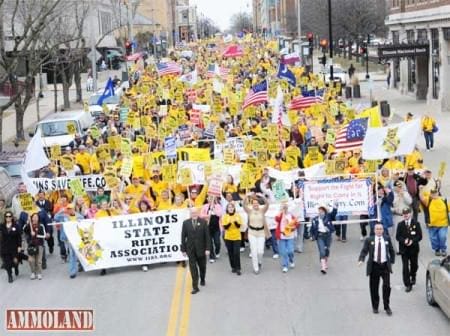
262 157
71 128
339 166
55 152
220 135
114 142
185 176
66 162
26 202
371 166
285 133
169 173
313 153
442 169
103 152
76 187
228 156
273 145
329 167
127 167
194 154
331 136
257 144
247 146
125 147
246 180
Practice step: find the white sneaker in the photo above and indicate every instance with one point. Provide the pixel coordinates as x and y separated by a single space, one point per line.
292 265
212 261
242 249
249 255
32 276
218 255
275 256
39 276
145 268
362 238
285 269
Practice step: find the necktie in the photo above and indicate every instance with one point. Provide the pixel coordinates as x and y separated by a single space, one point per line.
379 251
194 223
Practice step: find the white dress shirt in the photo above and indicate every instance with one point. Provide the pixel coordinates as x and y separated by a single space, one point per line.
383 249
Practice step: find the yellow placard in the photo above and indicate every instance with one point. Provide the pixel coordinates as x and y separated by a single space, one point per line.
114 142
247 146
329 167
273 145
185 176
26 202
442 169
220 135
331 136
339 166
71 128
76 187
127 167
125 147
228 156
67 162
262 157
55 152
169 173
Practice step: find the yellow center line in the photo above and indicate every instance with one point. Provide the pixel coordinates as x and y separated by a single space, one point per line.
185 313
176 299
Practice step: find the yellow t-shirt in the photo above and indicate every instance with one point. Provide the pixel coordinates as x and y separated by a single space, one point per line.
234 231
84 160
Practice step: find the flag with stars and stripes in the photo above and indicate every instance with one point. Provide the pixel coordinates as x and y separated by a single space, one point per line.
169 68
257 95
351 136
300 103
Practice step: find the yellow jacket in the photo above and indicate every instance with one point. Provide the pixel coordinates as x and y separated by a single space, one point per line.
428 123
436 214
84 160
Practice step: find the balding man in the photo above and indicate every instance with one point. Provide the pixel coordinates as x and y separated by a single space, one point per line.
196 244
381 257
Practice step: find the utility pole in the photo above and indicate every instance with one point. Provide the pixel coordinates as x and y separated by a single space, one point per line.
299 24
330 33
276 17
93 48
130 24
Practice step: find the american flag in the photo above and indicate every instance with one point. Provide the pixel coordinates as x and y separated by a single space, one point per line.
351 136
256 95
224 72
169 68
191 95
300 103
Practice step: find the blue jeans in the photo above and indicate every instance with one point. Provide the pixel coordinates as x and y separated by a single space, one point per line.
429 139
286 247
73 261
438 238
273 240
324 244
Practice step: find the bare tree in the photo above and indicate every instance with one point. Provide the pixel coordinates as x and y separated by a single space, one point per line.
241 22
21 28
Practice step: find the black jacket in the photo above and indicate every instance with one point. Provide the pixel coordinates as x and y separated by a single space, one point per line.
10 239
369 248
196 241
36 241
412 232
47 206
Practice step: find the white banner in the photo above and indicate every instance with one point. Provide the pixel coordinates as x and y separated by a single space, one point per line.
393 140
290 176
138 239
90 182
353 196
197 170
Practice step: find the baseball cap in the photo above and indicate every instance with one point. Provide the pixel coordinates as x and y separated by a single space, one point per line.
406 211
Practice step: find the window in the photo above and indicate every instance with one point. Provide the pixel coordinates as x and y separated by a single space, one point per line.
410 36
105 23
395 37
422 35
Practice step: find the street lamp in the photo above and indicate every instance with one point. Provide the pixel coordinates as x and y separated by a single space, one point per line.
330 33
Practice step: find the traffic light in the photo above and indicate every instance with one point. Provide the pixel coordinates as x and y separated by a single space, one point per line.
310 37
363 49
324 44
128 48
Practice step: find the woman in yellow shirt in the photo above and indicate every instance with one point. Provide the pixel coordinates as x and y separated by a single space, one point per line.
428 125
231 222
229 186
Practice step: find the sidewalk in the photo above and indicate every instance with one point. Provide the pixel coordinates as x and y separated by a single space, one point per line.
46 105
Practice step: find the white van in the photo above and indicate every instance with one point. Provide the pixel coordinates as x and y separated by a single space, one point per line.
55 131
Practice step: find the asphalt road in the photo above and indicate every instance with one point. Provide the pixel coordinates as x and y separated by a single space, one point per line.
301 302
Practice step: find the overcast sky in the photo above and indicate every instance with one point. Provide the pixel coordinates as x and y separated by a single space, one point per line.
220 11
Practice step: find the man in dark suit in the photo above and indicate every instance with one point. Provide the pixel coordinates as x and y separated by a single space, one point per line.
379 265
408 235
196 244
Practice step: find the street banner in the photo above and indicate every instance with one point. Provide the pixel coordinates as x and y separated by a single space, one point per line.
354 196
89 182
138 239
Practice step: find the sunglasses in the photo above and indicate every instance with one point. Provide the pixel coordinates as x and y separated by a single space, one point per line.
8 216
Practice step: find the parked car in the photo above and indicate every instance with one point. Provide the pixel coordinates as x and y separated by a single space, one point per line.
111 102
55 129
438 284
338 74
10 167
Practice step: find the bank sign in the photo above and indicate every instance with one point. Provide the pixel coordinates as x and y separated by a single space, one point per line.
403 50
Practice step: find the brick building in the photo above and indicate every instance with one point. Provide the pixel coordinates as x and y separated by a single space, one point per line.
419 54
